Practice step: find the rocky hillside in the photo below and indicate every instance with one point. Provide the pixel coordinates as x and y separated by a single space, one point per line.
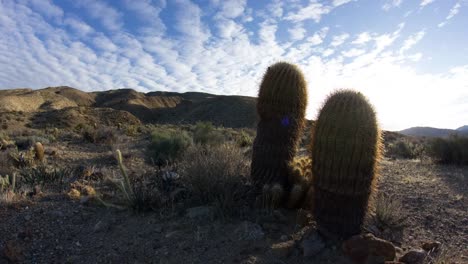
155 107
433 132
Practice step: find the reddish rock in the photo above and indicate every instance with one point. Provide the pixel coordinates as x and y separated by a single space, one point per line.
368 248
414 256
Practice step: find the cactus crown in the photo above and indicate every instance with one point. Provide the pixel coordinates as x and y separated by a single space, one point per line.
283 91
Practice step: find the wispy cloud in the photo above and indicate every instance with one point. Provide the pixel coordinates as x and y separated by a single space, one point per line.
412 40
391 4
313 10
425 2
109 17
453 12
340 39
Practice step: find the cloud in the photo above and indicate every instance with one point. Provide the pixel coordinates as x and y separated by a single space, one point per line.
313 11
425 3
297 32
148 12
412 40
47 8
79 27
391 4
453 12
339 40
362 38
318 36
109 17
353 52
341 2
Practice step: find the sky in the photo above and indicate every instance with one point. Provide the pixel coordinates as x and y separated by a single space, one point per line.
409 57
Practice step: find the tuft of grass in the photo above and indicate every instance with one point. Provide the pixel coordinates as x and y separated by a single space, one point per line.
216 175
205 133
43 175
389 211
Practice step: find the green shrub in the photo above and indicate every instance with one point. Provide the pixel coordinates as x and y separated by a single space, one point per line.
167 146
43 175
205 133
404 149
244 139
453 150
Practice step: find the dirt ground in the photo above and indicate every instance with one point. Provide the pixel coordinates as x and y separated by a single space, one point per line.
51 227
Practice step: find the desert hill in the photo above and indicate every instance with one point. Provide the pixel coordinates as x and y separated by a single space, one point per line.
72 106
433 132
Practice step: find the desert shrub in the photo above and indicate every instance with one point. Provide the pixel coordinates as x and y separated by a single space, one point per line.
26 142
43 175
168 145
216 175
103 135
404 149
244 139
205 133
452 150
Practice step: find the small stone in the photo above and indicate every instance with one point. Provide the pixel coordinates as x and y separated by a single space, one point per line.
37 190
367 247
249 231
12 251
414 256
84 200
200 212
27 217
101 226
312 245
284 238
431 246
74 194
283 249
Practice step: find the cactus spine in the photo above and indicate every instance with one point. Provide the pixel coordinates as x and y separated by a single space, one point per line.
345 151
281 106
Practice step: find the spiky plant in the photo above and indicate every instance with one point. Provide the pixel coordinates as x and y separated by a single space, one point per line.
281 106
345 152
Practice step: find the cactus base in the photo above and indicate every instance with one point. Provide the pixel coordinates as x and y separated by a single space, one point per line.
339 214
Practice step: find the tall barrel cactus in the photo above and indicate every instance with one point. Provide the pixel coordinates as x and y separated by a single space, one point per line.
345 152
281 106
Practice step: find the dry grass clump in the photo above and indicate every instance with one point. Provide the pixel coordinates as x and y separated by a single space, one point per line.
216 175
388 211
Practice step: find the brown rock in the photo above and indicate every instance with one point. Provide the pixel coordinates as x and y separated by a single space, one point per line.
431 246
369 249
414 256
283 249
12 251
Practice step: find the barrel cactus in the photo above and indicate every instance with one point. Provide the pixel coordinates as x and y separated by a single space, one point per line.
345 151
281 106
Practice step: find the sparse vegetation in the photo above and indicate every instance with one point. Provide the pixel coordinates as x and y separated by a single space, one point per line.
216 175
453 150
204 133
388 211
404 149
168 145
44 175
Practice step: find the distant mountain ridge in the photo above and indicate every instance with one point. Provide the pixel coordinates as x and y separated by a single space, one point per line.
154 107
433 132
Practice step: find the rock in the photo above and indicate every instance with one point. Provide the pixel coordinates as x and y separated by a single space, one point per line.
283 249
431 246
200 212
27 217
367 248
84 200
74 194
312 245
12 251
414 256
101 226
249 231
